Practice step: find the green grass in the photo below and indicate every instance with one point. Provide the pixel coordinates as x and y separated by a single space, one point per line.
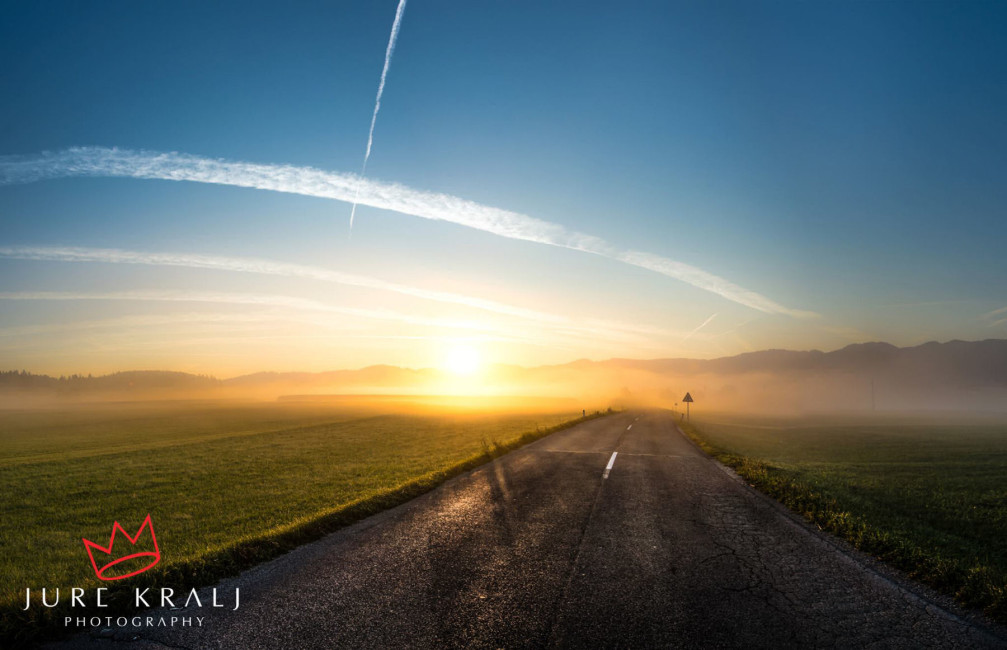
930 499
227 485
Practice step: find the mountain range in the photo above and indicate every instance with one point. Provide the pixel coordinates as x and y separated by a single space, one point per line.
963 375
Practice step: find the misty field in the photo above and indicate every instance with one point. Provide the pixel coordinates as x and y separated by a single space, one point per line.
927 497
227 485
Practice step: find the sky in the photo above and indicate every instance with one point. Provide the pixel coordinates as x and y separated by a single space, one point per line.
548 181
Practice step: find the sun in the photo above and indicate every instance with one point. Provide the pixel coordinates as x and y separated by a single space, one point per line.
462 360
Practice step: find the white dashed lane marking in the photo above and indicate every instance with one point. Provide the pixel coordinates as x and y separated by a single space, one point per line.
611 461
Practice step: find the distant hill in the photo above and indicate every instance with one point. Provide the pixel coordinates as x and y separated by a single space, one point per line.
957 374
965 375
976 362
381 376
133 381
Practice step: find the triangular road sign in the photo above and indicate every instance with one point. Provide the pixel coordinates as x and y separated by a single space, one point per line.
688 398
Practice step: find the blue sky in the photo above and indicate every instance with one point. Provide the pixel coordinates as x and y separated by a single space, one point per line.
845 159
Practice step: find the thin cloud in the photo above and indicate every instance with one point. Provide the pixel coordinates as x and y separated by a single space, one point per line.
995 317
96 161
261 300
285 269
288 303
19 337
396 24
128 322
260 266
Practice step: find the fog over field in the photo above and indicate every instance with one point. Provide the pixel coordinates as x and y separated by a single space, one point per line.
953 376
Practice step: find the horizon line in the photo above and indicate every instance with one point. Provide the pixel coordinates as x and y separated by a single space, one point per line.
500 364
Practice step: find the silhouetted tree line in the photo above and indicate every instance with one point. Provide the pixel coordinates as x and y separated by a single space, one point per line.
22 380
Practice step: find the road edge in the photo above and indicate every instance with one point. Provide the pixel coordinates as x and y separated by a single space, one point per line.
879 569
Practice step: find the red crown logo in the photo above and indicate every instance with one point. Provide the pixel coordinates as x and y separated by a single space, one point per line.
155 554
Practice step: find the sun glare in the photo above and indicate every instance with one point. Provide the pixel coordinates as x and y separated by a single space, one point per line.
462 360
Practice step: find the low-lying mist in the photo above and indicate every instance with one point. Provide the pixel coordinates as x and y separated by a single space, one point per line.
958 376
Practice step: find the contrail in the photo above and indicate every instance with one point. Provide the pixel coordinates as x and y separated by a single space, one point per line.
103 162
377 102
701 326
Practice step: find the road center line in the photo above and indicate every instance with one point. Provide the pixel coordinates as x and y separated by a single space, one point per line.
625 453
611 461
629 427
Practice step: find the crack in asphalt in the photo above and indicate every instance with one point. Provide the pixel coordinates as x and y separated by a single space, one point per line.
552 637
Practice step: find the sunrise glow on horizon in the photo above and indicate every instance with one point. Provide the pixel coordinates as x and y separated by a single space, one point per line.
550 191
463 360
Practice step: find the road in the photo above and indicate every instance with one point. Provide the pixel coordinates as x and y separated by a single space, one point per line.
562 544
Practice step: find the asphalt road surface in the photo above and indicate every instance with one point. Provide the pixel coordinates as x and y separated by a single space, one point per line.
616 533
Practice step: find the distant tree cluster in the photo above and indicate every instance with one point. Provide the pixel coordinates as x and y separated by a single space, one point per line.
143 380
24 380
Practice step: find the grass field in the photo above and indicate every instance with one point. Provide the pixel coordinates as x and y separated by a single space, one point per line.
227 485
929 498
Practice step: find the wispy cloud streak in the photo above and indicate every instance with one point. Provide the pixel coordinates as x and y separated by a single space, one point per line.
142 321
280 307
259 300
96 161
20 336
285 269
401 9
994 317
260 266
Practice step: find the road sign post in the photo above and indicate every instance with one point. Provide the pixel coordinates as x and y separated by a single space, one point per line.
688 400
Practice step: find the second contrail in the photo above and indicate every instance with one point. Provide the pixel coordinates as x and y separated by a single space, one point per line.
381 89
